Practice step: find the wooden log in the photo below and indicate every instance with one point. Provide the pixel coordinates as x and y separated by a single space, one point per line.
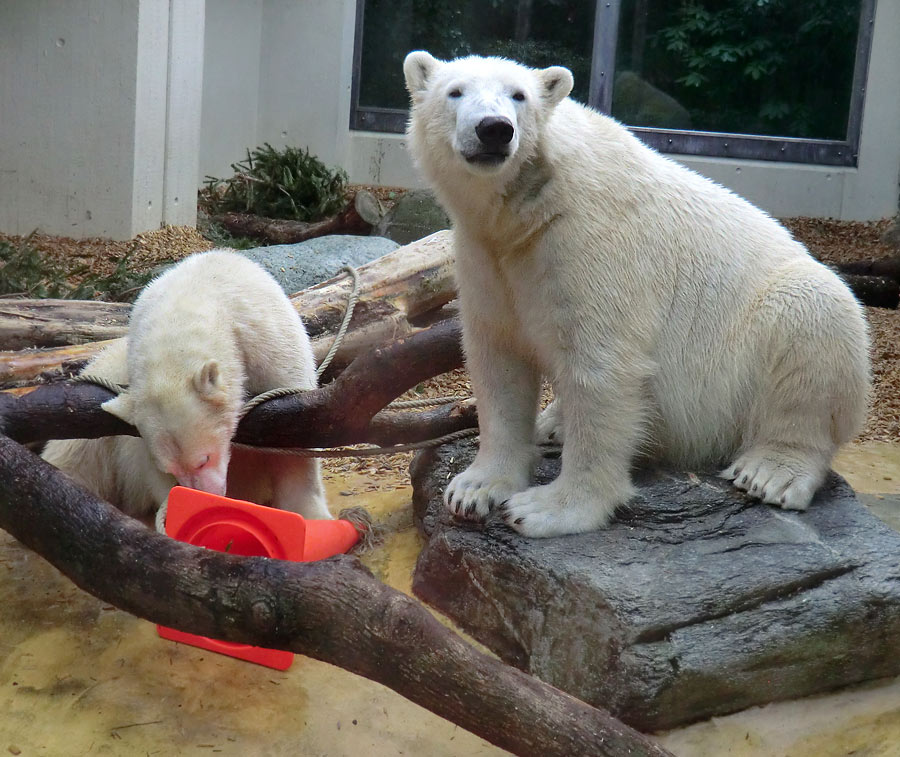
889 267
396 292
874 291
349 410
360 215
332 610
55 323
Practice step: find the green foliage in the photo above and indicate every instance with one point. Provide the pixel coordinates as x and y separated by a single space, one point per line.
779 67
287 183
25 272
216 233
540 33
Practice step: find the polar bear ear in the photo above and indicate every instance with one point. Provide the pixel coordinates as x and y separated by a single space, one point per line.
209 384
556 83
418 68
120 406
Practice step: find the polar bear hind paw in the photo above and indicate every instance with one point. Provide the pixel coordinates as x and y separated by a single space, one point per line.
473 493
549 426
788 480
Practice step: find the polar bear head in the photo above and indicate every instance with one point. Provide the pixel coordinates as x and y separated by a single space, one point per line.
187 420
484 115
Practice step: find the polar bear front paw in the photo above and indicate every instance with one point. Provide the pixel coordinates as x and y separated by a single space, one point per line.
786 480
556 510
472 493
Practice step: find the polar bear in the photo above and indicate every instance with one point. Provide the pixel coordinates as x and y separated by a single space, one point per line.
202 336
675 320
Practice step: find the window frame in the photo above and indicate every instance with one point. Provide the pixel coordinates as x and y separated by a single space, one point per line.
825 152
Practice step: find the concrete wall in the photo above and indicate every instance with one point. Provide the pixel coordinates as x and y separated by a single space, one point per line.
231 83
86 102
103 104
277 71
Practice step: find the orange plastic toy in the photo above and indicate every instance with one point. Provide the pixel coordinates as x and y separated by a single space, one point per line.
242 528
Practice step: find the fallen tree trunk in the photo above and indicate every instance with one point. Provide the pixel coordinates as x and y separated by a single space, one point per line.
349 410
889 267
874 291
332 610
396 292
360 215
54 323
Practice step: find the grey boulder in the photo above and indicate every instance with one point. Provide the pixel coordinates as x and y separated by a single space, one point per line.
415 215
696 601
301 265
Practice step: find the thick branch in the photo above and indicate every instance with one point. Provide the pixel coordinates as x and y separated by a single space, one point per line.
332 610
338 413
54 323
360 215
874 291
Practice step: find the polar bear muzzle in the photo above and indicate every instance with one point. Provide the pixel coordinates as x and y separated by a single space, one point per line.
495 133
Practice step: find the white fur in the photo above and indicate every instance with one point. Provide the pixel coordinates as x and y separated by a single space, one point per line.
204 335
674 319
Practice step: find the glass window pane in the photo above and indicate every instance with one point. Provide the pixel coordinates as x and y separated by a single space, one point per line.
769 67
537 32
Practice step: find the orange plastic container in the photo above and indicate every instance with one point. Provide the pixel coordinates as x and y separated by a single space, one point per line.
243 528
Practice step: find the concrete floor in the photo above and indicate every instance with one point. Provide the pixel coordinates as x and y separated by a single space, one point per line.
81 678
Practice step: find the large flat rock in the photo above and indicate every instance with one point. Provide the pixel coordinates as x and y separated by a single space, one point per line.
697 601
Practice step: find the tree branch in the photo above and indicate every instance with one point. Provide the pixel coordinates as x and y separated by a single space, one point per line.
342 412
332 610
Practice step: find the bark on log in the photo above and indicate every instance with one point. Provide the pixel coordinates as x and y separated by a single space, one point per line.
349 410
332 610
55 323
360 215
396 292
874 291
889 267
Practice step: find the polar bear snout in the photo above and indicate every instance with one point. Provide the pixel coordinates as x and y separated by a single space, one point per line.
493 143
495 132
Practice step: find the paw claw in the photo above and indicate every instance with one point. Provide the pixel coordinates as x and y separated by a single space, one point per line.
786 479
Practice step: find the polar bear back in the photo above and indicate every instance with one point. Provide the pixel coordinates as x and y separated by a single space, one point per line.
220 304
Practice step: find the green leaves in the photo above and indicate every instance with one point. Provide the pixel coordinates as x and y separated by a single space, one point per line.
24 271
288 183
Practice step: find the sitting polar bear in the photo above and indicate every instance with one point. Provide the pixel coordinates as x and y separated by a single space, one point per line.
207 332
674 319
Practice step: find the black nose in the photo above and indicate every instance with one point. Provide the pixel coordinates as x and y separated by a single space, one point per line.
494 131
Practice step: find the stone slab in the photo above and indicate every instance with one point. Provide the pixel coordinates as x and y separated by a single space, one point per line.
697 601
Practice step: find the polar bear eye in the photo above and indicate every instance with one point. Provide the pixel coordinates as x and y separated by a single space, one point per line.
519 96
455 92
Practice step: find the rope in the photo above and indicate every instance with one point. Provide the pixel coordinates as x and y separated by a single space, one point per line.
348 314
160 520
370 534
364 451
423 402
87 378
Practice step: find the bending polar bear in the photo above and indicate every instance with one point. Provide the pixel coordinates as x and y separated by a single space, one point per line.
673 318
205 333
